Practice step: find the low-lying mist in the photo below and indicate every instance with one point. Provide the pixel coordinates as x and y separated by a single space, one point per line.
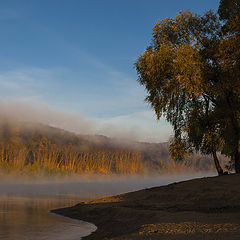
13 111
31 146
89 187
22 111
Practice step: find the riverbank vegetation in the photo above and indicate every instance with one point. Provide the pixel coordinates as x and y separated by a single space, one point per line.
34 149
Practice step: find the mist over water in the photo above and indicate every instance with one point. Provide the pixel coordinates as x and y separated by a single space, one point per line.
25 200
25 205
91 186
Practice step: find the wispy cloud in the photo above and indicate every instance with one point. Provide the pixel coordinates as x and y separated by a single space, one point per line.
112 105
19 79
141 126
24 83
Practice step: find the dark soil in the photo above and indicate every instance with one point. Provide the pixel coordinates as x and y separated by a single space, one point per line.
206 208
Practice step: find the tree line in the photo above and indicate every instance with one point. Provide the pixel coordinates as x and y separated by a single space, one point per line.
32 148
40 156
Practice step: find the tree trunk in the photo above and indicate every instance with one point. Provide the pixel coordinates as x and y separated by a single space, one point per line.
217 164
237 161
236 129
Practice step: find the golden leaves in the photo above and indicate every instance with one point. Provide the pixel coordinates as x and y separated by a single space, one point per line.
188 66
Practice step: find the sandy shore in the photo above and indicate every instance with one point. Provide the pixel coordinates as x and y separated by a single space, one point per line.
204 209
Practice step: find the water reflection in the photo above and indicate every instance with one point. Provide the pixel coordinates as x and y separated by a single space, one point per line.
28 218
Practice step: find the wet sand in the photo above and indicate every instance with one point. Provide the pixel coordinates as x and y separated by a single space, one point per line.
206 208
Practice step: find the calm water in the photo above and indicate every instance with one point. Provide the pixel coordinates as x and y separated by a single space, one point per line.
23 218
24 207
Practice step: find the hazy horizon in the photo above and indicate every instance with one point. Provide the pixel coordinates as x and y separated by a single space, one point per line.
76 123
70 64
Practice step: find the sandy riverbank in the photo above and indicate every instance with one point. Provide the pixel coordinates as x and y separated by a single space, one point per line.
206 208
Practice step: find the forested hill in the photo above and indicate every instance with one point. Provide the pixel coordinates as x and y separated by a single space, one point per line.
35 148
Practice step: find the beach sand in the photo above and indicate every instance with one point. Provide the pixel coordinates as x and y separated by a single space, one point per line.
198 209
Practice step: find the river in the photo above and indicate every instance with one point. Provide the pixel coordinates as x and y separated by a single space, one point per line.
24 206
28 218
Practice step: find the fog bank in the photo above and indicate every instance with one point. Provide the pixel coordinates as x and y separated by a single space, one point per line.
90 186
25 112
140 126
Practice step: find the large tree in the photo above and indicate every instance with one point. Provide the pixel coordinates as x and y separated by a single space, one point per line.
191 72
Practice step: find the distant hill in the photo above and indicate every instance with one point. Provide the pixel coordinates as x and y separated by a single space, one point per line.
33 147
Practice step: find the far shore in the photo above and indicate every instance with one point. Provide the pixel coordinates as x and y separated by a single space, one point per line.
205 208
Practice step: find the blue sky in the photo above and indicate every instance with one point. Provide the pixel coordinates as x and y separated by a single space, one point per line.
77 57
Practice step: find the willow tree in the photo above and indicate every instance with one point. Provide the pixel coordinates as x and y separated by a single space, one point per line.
229 64
191 74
